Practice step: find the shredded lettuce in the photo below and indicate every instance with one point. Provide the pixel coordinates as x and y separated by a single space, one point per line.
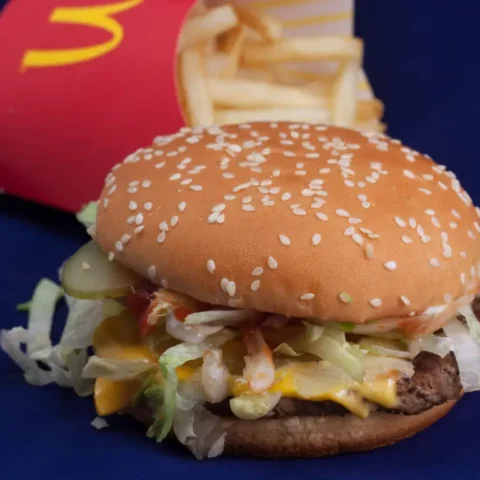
254 406
40 318
472 321
333 347
224 318
384 347
24 307
286 349
171 359
115 369
467 354
441 346
188 333
88 214
99 423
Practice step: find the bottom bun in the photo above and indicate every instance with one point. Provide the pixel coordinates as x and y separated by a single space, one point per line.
319 436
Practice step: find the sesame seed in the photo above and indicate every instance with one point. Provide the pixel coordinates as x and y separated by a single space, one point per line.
85 266
471 235
228 175
105 202
119 246
375 302
412 222
307 296
366 204
148 206
139 218
442 185
182 206
284 240
272 263
160 164
427 176
435 221
152 271
369 250
409 173
255 285
349 231
211 266
229 197
219 207
462 278
163 226
247 199
456 214
187 181
223 284
299 211
391 265
316 239
425 238
429 211
257 271
405 300
406 239
196 188
420 230
434 262
175 176
400 222
286 196
341 212
426 191
221 218
453 225
242 186
357 238
125 238
132 205
111 256
231 288
173 220
212 218
354 220
248 207
161 237
300 172
324 170
321 216
146 183
306 192
112 189
164 283
139 229
345 297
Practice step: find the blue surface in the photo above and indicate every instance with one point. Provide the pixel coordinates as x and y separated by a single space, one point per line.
432 104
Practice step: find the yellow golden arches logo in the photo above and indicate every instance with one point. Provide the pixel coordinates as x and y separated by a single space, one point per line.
98 16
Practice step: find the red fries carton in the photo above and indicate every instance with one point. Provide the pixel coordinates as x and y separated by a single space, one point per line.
86 82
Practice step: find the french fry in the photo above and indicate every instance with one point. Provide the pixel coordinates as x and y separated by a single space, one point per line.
372 126
269 28
193 82
231 44
303 48
248 94
321 87
309 115
205 27
369 110
255 74
344 95
287 75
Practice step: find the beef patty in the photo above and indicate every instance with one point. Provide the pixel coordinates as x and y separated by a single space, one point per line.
435 381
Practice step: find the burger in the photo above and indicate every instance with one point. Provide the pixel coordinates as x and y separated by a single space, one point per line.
273 289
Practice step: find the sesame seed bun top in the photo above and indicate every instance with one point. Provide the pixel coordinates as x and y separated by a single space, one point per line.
297 219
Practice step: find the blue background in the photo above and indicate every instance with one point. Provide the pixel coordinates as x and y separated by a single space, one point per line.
422 58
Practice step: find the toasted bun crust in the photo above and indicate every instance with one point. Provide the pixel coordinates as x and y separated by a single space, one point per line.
289 218
318 436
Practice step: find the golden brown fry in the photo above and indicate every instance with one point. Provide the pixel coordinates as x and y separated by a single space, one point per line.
368 110
304 48
270 29
237 93
205 27
231 44
198 104
372 126
309 115
344 95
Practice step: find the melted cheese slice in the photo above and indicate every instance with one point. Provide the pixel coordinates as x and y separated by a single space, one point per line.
117 337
